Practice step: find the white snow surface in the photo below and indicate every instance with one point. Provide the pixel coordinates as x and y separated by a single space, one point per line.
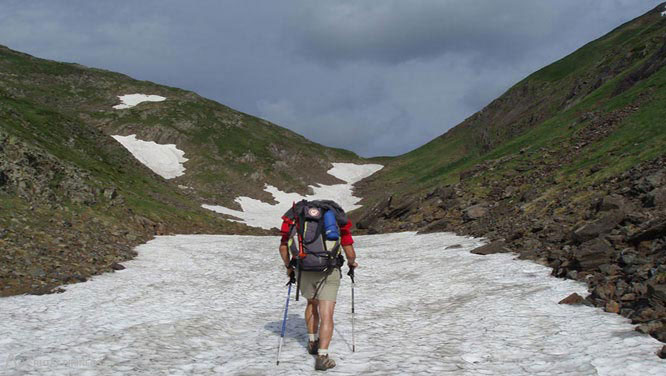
165 160
210 305
131 100
257 213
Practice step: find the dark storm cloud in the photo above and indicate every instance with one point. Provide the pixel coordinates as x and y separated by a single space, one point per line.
377 77
395 31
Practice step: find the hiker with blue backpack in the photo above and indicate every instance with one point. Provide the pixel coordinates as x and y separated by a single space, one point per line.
313 234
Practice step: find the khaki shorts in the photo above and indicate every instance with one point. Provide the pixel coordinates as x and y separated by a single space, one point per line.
324 284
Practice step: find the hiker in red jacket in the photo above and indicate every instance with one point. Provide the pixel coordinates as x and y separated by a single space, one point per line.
319 287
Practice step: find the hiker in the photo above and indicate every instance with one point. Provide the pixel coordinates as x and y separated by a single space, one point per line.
314 232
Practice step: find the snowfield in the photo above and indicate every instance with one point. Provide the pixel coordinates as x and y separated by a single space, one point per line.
257 213
165 160
131 100
210 305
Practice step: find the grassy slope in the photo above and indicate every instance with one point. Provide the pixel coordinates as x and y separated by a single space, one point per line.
545 109
230 153
73 201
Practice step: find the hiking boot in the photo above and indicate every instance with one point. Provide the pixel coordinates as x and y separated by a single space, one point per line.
313 346
323 362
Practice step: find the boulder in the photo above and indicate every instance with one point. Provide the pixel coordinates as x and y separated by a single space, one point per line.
662 353
117 266
657 295
652 230
614 202
498 246
659 334
509 192
606 291
650 326
630 297
655 198
440 225
573 299
402 208
648 183
629 257
601 226
613 307
446 192
474 212
593 253
372 216
110 193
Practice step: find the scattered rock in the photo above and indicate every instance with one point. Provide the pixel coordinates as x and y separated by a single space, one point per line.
649 327
652 230
662 353
110 193
515 236
498 246
655 198
613 307
657 295
573 299
402 208
117 266
444 193
437 226
593 254
474 212
601 226
614 202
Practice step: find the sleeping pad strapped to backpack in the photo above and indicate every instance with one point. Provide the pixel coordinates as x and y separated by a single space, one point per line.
322 252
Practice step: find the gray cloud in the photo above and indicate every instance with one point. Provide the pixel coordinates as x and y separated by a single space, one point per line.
377 77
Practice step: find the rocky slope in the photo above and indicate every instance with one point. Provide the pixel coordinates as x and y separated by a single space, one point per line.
566 168
75 202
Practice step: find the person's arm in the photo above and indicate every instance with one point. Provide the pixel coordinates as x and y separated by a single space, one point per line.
284 241
351 256
347 243
284 254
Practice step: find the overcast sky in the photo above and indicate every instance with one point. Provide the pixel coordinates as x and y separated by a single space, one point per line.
379 77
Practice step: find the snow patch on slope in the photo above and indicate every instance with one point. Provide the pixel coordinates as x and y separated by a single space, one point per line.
165 160
257 213
213 305
131 100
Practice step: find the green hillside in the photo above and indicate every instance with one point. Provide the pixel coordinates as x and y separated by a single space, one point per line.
74 201
553 106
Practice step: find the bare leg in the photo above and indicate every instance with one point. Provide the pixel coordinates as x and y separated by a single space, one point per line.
326 309
312 316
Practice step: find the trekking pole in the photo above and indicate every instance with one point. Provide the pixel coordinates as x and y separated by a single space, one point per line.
351 275
284 319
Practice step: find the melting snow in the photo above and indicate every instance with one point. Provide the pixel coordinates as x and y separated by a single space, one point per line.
165 160
260 214
211 305
131 100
